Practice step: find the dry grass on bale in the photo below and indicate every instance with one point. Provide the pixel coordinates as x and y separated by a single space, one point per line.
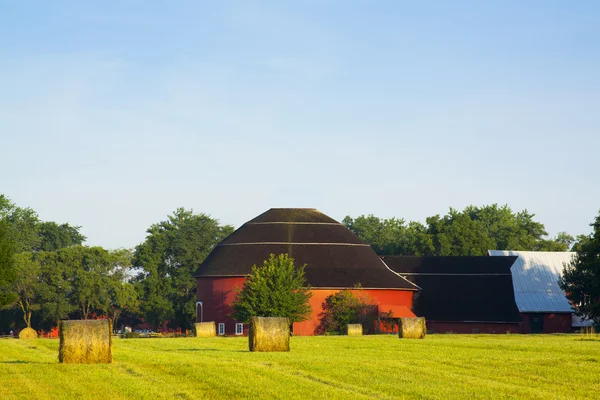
28 333
355 330
205 329
269 334
85 342
412 328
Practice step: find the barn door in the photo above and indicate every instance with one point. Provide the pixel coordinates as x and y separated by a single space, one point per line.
536 323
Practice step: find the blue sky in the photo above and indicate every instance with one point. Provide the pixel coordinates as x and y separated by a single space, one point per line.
113 115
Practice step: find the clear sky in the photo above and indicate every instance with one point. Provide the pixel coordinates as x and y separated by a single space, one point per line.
113 115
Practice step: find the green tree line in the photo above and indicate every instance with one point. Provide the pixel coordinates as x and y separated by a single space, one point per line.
470 232
47 273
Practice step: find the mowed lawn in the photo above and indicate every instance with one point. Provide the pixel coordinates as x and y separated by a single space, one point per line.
438 367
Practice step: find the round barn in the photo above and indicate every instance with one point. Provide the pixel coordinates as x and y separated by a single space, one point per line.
335 259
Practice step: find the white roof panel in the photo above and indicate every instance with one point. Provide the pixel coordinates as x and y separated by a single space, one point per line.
535 279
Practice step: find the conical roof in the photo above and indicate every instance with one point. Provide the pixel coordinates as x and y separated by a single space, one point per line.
334 256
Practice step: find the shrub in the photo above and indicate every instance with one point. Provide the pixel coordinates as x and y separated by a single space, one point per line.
343 308
132 335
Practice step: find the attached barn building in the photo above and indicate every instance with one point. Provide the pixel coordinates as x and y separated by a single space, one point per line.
462 294
335 259
543 306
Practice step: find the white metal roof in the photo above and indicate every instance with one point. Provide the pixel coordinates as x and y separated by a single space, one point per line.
535 280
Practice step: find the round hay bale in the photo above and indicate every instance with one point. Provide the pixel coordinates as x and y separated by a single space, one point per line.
205 329
412 328
85 342
355 330
28 333
269 334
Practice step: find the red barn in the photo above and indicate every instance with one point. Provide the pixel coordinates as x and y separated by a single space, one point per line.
335 259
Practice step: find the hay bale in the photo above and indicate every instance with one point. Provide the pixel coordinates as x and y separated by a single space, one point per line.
269 334
205 329
412 328
355 330
28 333
85 342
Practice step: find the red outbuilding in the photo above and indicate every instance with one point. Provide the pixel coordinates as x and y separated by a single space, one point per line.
335 259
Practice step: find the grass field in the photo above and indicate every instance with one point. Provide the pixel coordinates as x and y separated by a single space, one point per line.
438 367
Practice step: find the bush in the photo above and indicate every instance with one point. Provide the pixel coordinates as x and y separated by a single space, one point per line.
132 335
344 308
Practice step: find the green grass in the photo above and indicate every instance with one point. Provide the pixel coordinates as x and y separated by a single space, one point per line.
438 367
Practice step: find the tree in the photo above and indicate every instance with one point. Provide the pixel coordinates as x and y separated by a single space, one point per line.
275 289
581 278
7 265
122 293
170 254
27 286
28 233
54 236
391 236
23 225
343 308
472 231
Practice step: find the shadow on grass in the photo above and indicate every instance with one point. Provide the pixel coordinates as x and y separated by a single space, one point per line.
19 362
209 349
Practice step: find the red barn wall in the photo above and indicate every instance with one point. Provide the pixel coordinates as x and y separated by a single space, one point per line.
381 296
217 295
553 323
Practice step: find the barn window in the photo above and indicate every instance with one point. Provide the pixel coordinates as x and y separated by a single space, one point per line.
239 329
221 328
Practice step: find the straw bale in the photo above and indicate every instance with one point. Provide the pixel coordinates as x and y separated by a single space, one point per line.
28 333
205 329
85 342
412 328
269 334
355 330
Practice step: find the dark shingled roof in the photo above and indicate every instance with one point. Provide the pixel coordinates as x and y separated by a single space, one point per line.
460 289
334 256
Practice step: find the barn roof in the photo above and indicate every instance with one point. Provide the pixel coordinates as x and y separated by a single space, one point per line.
460 289
535 279
334 256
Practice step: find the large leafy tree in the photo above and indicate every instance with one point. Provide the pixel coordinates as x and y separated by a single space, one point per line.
166 260
7 265
391 236
27 286
275 289
581 278
54 236
23 225
28 233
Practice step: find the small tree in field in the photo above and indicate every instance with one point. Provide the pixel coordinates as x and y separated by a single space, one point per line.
581 278
275 289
